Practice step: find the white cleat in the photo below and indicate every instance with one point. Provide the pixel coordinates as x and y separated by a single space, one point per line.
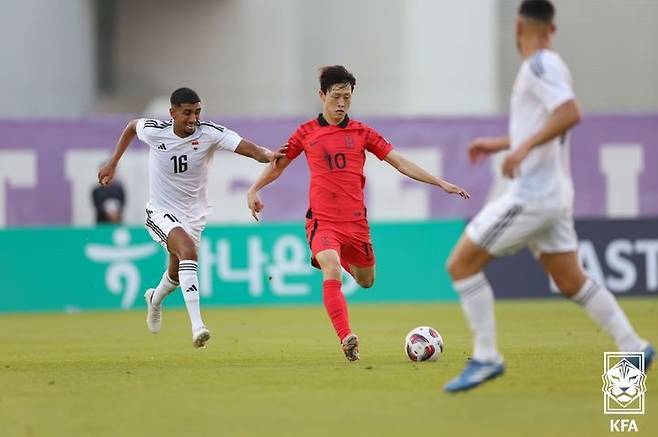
200 337
153 313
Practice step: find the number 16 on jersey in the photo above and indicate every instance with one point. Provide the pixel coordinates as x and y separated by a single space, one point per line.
180 163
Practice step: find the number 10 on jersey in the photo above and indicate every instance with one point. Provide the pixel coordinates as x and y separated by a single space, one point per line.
337 161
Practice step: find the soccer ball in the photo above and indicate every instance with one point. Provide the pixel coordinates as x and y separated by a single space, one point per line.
423 344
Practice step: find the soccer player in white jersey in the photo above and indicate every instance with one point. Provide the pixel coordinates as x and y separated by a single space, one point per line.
180 151
536 210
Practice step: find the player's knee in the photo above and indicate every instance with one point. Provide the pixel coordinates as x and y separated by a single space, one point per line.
454 267
461 267
366 282
567 286
568 289
332 270
188 252
173 276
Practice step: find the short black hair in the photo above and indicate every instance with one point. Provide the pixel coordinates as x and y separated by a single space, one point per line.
184 95
540 10
335 74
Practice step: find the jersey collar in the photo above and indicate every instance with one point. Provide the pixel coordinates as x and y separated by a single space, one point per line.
324 123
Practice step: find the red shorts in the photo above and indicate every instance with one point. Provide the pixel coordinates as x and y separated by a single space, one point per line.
350 239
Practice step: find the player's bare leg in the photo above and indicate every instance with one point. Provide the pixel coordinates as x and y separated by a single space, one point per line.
351 270
465 266
172 267
181 245
335 303
597 301
364 276
155 296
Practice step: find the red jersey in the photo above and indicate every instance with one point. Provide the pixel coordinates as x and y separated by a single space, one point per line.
335 157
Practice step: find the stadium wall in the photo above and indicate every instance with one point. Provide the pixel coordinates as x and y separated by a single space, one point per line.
609 46
48 168
260 57
48 55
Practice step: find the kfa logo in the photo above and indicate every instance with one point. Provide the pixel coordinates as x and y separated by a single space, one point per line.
623 425
624 387
623 383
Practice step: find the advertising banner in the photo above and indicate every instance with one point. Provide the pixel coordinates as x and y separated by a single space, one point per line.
620 254
68 269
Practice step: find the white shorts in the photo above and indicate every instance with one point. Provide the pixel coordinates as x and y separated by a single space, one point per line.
159 224
508 224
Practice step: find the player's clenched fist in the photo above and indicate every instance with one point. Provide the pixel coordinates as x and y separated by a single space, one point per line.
106 174
482 147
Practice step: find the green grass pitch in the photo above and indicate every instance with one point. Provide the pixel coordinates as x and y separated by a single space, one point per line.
280 371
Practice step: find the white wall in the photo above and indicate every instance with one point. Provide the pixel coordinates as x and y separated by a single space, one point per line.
236 54
260 57
609 45
47 54
451 57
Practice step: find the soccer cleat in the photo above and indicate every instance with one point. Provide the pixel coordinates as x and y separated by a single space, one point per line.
475 373
351 347
200 337
153 313
649 355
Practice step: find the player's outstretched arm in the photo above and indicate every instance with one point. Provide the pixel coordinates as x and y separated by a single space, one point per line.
414 171
565 116
260 154
269 175
106 172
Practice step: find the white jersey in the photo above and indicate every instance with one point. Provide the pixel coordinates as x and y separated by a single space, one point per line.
542 84
178 167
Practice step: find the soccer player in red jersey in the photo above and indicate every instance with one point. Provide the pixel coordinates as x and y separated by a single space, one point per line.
336 224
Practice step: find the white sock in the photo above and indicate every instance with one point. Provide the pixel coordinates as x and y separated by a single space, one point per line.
477 301
603 308
164 289
189 283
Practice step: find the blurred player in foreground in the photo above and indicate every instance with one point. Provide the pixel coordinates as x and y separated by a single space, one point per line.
180 152
537 208
336 224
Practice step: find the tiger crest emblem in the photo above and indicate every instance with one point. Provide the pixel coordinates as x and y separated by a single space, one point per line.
624 383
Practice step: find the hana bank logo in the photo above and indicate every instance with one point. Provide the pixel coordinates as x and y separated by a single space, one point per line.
122 276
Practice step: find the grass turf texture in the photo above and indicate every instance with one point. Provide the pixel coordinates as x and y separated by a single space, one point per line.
280 371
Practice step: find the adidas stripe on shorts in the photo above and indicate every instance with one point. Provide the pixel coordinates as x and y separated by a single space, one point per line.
509 224
159 224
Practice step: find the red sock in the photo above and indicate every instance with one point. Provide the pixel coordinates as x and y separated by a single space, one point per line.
336 307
